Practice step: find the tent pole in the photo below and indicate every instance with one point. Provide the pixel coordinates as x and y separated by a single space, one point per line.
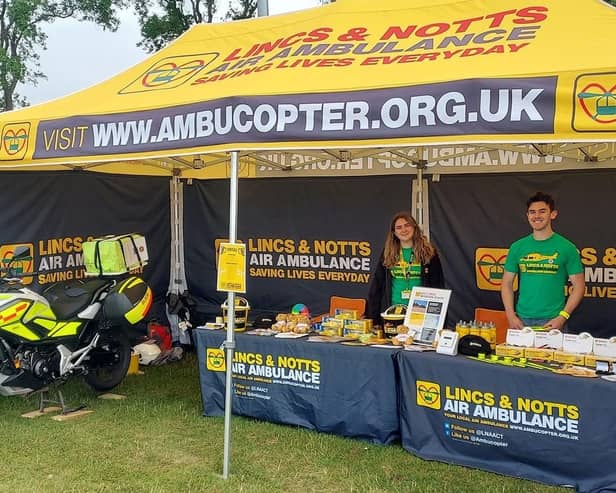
262 8
229 343
422 164
177 276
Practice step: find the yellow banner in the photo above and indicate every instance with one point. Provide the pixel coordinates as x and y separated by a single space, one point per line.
349 74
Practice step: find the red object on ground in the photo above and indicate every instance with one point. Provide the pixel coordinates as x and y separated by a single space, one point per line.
161 334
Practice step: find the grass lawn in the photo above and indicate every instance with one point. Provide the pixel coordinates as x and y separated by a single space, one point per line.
156 440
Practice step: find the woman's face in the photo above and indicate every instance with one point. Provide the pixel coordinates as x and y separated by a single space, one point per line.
403 230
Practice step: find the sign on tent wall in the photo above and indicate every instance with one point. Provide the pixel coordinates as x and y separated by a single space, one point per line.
474 219
306 239
54 213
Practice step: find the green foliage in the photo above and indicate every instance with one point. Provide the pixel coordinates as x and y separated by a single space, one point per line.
162 21
157 441
242 10
22 36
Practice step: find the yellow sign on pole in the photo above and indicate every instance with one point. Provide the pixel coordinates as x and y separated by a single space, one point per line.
232 268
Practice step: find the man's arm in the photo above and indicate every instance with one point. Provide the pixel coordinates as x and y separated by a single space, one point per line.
575 297
577 292
508 301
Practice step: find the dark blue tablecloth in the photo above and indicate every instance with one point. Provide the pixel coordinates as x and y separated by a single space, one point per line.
521 422
348 391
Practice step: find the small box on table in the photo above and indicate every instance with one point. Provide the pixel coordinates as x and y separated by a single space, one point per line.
346 314
539 353
590 360
507 350
570 358
604 347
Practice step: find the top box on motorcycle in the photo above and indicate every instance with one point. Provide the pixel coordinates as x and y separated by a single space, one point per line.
114 255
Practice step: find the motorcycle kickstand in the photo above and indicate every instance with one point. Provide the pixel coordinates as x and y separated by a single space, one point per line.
44 399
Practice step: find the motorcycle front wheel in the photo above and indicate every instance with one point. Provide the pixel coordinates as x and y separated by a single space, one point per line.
109 360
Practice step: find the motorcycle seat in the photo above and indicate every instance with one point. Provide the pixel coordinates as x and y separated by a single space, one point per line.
68 298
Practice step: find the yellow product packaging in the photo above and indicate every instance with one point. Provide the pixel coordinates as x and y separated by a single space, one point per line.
353 333
333 325
539 353
590 360
513 351
362 326
570 358
345 313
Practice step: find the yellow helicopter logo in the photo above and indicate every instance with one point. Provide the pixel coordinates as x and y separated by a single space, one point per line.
595 103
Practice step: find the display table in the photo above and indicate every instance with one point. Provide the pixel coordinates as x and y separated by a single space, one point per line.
333 388
521 422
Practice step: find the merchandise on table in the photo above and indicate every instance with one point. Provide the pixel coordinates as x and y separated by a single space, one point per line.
578 343
507 350
545 354
331 326
552 339
473 345
576 371
553 345
292 323
300 309
346 313
521 337
240 313
356 328
591 360
402 338
344 323
604 347
485 330
571 358
393 316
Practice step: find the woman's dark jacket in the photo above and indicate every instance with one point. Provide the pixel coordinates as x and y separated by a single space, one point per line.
379 290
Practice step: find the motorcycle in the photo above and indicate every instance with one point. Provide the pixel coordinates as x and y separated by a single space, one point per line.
73 328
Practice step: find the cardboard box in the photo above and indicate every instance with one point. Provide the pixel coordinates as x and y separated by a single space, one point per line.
571 358
114 255
539 353
345 313
604 347
355 334
364 325
331 326
590 360
552 339
507 350
523 338
578 343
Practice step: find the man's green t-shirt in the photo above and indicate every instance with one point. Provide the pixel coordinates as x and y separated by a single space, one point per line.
405 275
543 268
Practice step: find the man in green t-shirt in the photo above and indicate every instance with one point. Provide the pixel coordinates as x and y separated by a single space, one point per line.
543 261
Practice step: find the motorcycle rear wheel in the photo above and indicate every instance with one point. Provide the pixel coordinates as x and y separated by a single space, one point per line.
109 361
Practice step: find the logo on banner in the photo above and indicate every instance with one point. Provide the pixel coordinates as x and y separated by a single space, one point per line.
594 108
170 72
215 359
428 394
490 267
15 140
22 267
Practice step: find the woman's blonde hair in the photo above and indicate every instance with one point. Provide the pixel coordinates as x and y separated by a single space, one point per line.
423 250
